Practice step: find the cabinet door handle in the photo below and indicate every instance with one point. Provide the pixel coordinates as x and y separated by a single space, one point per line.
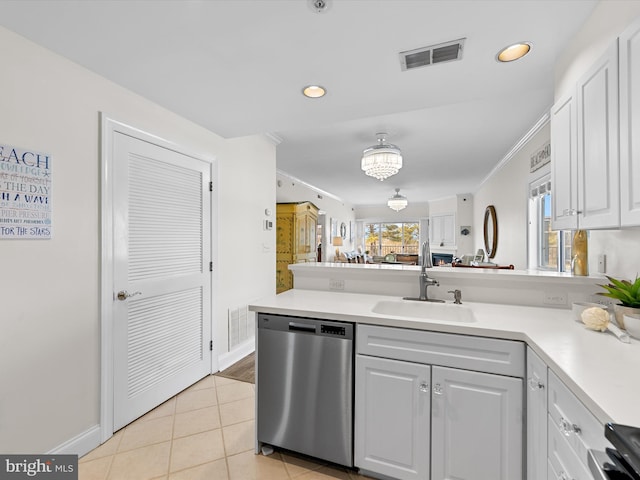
572 212
564 476
424 387
535 384
437 389
567 428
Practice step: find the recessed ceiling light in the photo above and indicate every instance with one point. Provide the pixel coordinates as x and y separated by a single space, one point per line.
513 52
314 91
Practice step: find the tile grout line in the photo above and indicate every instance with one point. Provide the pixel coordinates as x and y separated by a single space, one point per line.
224 445
113 456
173 428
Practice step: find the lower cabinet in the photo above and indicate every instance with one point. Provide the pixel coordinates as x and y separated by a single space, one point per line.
417 420
392 416
560 429
537 387
476 425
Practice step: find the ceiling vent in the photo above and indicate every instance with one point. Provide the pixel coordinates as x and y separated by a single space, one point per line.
425 56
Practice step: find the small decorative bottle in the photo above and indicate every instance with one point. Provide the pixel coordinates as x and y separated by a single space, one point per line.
580 261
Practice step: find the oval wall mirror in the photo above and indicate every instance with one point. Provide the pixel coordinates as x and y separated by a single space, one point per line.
343 230
490 231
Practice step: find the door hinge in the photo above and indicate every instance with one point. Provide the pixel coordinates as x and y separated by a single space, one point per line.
211 345
211 186
211 266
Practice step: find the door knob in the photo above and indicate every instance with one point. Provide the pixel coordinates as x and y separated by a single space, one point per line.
123 294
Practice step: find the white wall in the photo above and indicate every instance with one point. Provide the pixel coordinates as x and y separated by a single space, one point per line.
49 295
246 251
507 191
464 218
443 206
608 20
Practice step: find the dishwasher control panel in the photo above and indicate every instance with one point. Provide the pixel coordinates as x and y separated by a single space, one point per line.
306 326
333 330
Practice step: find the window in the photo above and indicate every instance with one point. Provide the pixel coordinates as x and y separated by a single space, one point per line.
548 249
384 238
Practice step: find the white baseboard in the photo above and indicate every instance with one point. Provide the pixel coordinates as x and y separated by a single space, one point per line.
225 360
81 444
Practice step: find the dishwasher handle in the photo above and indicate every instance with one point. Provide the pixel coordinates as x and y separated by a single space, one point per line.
302 327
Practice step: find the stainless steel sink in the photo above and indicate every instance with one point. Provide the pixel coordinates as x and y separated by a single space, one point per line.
425 310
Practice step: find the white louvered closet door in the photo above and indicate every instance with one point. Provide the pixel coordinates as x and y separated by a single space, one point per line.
162 245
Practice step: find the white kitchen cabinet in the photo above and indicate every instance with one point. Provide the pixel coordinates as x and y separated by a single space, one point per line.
392 416
573 423
593 178
476 425
536 417
564 462
443 230
630 126
564 163
413 385
598 150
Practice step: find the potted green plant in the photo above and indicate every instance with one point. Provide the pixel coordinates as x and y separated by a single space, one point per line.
627 293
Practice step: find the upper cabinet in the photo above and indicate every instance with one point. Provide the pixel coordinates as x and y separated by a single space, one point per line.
630 125
598 154
584 149
443 230
564 163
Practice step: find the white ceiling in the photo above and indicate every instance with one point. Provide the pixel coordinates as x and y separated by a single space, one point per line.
237 68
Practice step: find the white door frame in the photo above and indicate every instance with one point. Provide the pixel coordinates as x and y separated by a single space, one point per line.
108 127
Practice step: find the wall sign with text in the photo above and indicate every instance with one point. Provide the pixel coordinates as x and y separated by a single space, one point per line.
25 193
541 157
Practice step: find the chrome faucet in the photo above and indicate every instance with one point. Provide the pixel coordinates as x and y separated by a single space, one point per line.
425 280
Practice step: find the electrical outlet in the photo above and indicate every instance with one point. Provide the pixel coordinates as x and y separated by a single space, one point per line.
336 285
602 300
602 263
555 298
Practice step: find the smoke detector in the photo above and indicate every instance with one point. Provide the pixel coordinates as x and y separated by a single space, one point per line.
319 6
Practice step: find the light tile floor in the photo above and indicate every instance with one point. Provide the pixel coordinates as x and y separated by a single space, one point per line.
205 432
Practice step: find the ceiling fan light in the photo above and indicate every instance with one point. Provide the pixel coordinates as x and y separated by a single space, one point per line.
397 202
382 160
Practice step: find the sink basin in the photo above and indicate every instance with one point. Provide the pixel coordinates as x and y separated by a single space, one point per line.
425 310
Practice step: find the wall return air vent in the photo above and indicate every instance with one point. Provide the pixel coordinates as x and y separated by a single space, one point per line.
425 56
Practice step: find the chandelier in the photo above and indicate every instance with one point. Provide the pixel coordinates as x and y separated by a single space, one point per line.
397 202
382 160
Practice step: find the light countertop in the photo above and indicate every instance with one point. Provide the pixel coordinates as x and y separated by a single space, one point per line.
601 371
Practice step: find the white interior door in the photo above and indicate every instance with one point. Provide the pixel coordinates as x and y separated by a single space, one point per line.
161 274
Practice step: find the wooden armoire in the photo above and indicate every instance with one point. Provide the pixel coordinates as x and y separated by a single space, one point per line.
296 225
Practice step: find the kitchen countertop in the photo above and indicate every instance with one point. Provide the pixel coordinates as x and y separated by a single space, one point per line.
601 371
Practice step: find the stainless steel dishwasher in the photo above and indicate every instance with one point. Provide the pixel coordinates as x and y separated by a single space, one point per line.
305 386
